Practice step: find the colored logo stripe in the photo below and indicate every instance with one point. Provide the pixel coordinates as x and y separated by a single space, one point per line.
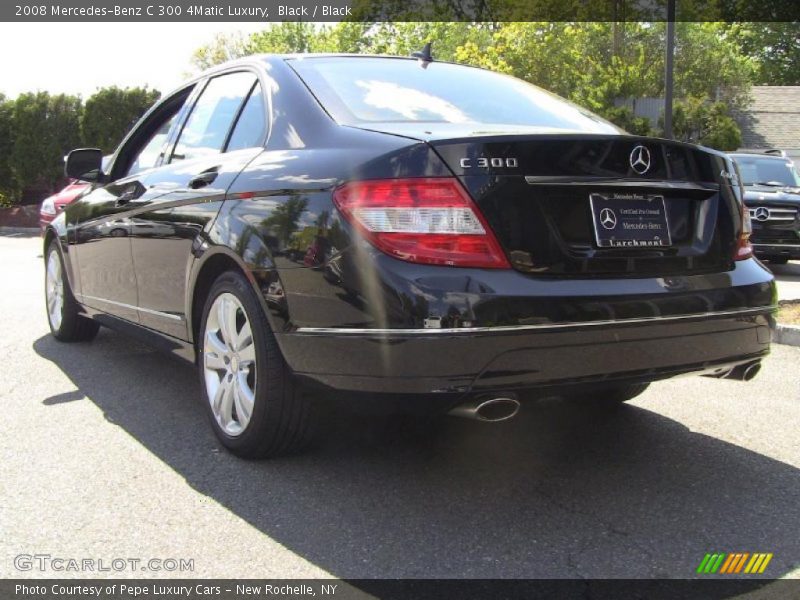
734 562
758 563
710 563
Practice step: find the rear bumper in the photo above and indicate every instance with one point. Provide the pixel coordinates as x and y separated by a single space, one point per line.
518 332
791 251
507 358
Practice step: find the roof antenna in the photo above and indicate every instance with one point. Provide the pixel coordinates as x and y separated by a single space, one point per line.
424 55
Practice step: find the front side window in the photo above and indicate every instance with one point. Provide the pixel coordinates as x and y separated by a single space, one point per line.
208 125
151 152
358 90
146 146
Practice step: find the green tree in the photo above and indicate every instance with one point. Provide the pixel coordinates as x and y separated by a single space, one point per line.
284 38
595 63
110 113
591 63
623 117
224 47
45 128
697 120
774 49
7 183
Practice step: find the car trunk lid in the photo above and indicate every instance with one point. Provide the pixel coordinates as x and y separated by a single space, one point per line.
543 195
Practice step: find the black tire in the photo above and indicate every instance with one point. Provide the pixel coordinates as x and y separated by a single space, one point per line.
777 260
610 395
281 419
74 327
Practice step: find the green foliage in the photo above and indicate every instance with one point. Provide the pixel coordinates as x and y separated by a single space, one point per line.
223 48
348 37
111 112
699 121
7 182
38 129
623 117
722 132
45 128
774 49
594 63
284 38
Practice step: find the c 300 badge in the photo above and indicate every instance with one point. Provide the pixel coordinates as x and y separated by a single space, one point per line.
484 162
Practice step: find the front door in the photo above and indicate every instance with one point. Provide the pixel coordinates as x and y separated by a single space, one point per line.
101 233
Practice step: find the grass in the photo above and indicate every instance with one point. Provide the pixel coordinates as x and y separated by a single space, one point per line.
789 312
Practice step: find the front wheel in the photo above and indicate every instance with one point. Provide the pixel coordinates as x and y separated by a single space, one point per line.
255 407
63 312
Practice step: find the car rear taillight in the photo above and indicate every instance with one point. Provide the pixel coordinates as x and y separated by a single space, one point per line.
744 249
427 220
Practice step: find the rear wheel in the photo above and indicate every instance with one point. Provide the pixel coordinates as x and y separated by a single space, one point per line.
63 312
255 407
611 394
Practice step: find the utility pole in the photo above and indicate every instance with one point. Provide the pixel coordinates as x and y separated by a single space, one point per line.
668 78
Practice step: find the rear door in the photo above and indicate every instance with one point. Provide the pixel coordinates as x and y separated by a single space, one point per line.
225 129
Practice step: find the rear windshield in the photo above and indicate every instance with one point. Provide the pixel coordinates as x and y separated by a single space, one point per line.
767 171
357 90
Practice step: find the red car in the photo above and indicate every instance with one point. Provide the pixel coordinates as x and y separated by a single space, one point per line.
52 205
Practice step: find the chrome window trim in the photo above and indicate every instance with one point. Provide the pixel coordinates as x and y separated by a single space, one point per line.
540 327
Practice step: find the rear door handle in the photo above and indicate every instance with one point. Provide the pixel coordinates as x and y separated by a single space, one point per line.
205 178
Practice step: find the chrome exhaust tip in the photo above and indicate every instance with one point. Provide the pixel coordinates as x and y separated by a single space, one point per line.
744 372
488 410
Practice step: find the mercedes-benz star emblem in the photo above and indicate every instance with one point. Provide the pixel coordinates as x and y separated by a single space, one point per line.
608 219
761 214
640 160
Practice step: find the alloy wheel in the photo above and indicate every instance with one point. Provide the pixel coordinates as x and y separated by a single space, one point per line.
229 364
54 290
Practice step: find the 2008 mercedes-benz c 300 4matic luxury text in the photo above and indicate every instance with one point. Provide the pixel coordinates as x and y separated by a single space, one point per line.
426 236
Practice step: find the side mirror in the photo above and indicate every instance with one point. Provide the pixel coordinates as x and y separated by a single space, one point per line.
85 164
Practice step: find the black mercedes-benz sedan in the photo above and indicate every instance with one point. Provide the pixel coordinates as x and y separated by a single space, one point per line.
419 235
772 195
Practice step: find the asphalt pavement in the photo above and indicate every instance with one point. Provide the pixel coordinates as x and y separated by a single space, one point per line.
105 452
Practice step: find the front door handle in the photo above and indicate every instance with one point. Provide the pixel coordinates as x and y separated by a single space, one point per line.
205 178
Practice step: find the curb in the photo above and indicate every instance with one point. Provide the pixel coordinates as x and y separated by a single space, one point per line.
787 334
6 230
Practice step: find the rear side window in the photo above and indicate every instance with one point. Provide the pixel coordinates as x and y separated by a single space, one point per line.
356 90
251 127
213 114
